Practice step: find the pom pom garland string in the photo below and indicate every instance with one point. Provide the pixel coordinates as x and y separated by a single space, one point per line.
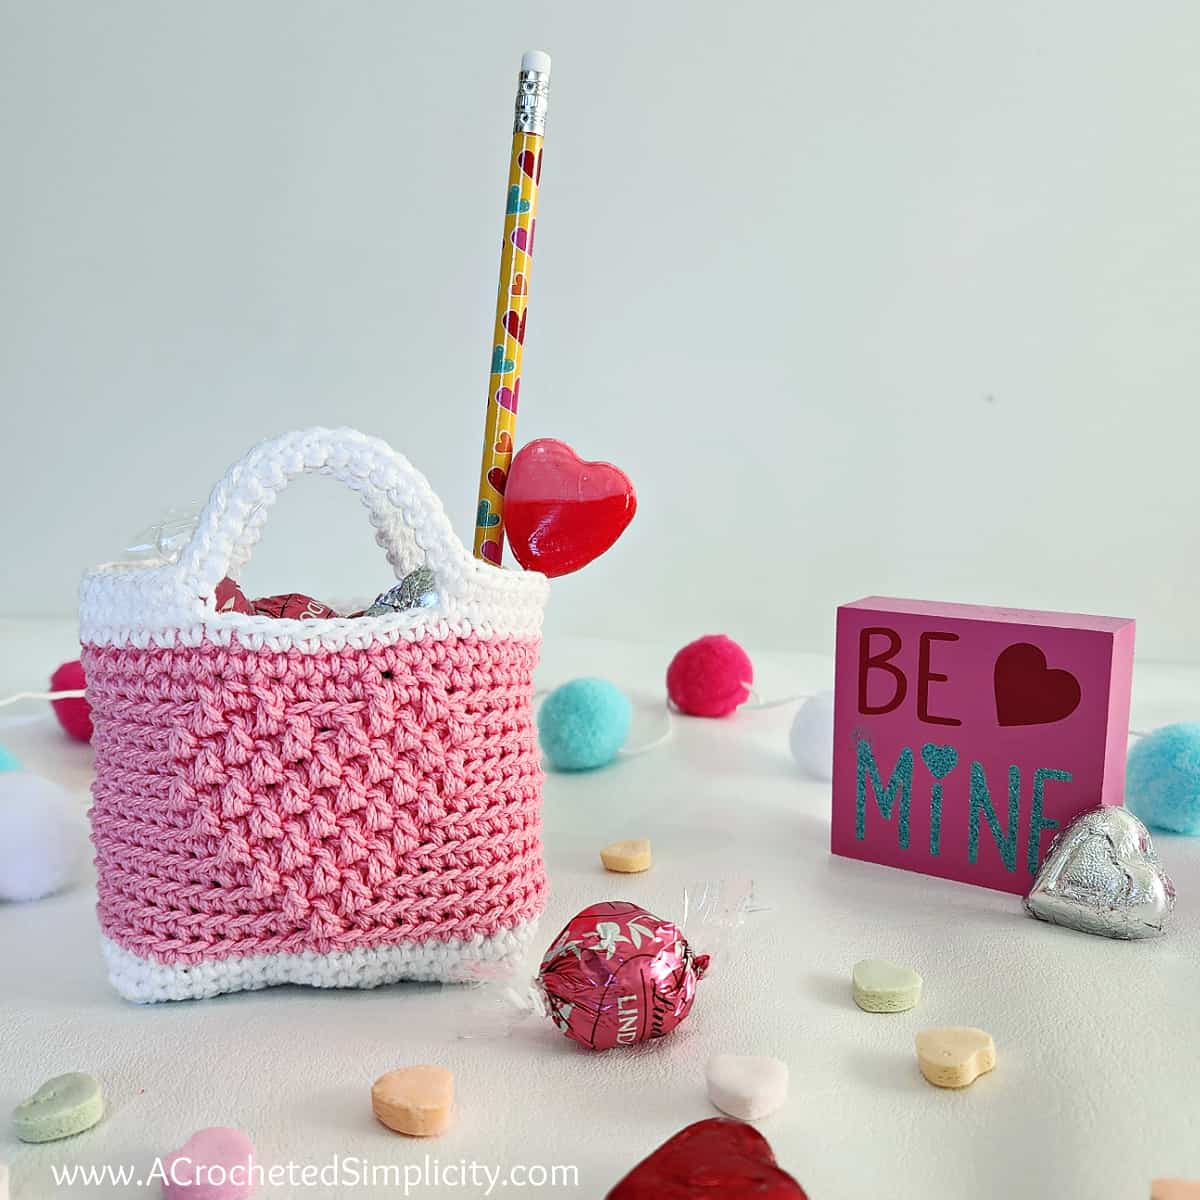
653 744
68 699
760 705
16 697
9 722
713 677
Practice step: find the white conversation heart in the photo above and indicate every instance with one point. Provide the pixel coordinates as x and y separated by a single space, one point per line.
747 1086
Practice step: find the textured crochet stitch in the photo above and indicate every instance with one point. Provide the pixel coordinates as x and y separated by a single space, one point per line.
337 802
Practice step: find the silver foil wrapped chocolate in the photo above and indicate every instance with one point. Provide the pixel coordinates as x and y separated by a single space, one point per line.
418 589
1101 875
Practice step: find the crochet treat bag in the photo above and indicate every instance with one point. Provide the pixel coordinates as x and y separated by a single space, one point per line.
339 802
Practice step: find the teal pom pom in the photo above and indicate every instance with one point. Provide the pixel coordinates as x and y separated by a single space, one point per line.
583 724
1162 780
9 761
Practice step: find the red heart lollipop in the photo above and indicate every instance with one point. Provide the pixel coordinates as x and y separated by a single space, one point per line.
719 1158
561 512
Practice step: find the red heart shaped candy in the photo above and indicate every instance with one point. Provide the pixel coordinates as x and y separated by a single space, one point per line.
561 512
721 1158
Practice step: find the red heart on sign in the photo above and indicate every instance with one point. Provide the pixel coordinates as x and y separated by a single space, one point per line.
719 1158
1030 693
561 512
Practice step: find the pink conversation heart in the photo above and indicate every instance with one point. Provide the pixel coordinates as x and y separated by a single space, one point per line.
507 397
213 1164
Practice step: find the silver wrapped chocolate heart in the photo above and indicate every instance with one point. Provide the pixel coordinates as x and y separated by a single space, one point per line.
418 589
1101 875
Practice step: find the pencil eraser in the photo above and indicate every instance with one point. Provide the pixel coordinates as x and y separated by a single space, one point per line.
536 60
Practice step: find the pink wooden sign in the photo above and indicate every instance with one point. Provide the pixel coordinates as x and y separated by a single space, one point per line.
965 737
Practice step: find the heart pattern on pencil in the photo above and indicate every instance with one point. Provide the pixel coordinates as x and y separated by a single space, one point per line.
531 164
515 203
504 443
490 550
500 364
514 324
498 478
522 238
484 517
507 397
519 286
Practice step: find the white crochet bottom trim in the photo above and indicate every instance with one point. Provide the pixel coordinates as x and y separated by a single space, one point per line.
147 981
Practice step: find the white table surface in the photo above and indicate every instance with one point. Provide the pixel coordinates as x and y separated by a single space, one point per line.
1096 1090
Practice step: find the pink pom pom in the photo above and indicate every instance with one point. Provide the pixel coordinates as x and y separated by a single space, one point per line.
710 677
75 715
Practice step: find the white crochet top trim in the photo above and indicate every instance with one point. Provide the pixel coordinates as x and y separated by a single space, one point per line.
168 604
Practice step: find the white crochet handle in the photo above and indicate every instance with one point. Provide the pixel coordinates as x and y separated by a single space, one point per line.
409 520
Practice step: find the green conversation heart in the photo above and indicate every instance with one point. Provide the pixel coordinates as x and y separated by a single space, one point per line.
484 517
515 203
500 364
940 760
61 1107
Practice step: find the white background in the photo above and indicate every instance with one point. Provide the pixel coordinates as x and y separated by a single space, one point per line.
866 297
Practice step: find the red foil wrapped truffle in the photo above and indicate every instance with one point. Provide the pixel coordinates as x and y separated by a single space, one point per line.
293 606
230 598
618 975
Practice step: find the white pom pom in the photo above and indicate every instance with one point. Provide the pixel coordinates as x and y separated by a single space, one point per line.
812 736
42 836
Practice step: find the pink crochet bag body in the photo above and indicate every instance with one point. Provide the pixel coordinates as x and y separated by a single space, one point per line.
343 802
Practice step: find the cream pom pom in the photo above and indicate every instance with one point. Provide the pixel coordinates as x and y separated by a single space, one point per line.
42 836
812 736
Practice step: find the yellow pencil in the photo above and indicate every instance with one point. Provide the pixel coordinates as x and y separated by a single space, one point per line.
512 299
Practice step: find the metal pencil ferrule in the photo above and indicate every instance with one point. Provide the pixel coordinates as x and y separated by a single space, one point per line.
533 98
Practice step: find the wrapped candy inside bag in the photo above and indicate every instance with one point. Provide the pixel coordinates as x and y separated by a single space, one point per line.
418 589
617 974
166 541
